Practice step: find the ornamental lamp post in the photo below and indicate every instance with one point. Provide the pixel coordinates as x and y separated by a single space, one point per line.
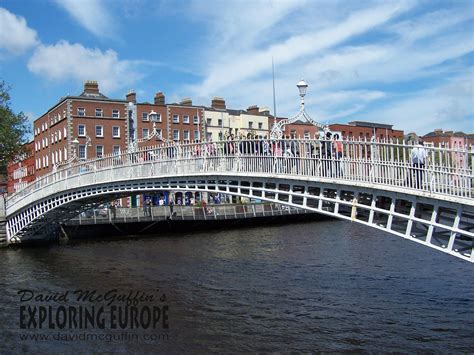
75 144
302 87
153 116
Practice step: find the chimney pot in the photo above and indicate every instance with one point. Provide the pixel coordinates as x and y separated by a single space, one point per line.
91 87
159 98
186 102
131 97
218 103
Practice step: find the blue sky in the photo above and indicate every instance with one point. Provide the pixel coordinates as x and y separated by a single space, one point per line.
407 63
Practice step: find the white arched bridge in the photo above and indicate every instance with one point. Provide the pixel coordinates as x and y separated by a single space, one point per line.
368 182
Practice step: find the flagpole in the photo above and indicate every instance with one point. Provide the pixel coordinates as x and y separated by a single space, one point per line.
274 100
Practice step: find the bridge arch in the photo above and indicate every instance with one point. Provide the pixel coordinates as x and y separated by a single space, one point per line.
420 219
369 191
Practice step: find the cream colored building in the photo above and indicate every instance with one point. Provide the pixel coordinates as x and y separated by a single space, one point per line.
220 121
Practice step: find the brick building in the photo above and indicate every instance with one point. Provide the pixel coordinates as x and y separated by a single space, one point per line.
21 171
97 122
174 122
367 130
449 138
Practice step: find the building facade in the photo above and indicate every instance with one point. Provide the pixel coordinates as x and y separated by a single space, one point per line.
221 121
449 138
367 130
21 171
98 123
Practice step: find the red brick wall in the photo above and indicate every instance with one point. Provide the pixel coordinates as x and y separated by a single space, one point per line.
52 122
182 111
27 162
356 132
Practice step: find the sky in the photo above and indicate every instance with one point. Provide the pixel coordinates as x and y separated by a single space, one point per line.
406 63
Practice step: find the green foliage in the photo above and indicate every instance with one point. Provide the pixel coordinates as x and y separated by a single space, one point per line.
14 129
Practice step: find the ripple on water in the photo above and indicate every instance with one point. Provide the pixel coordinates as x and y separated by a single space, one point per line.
329 286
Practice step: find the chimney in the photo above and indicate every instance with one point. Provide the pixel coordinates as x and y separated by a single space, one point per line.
218 103
91 87
264 111
253 110
186 102
438 131
131 97
159 98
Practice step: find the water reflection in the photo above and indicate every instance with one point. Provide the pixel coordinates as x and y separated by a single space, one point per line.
331 286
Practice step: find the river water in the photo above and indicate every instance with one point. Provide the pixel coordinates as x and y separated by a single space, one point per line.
328 286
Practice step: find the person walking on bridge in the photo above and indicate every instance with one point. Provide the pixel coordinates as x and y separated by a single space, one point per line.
418 159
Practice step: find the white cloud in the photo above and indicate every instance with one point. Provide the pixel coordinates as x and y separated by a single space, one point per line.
356 56
233 67
74 61
15 35
447 106
91 14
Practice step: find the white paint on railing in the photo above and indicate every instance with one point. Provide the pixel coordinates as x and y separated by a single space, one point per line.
387 165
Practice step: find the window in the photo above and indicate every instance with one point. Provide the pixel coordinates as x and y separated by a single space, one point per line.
209 121
59 135
219 122
175 118
65 132
81 111
145 133
99 131
185 119
156 117
116 131
221 135
116 150
158 134
115 114
186 135
293 134
250 124
81 130
82 151
144 116
65 153
46 141
98 112
196 135
260 125
196 120
175 135
306 135
99 151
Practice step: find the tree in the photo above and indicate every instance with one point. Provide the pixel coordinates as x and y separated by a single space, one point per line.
14 129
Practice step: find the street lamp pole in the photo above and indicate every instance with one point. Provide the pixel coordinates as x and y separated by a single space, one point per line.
277 130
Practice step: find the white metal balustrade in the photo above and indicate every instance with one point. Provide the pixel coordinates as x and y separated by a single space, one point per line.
363 168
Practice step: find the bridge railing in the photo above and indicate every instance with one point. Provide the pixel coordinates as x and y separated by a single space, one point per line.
447 171
209 212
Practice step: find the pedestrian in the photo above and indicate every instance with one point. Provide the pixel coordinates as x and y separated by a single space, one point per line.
113 208
147 207
171 208
338 153
418 159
